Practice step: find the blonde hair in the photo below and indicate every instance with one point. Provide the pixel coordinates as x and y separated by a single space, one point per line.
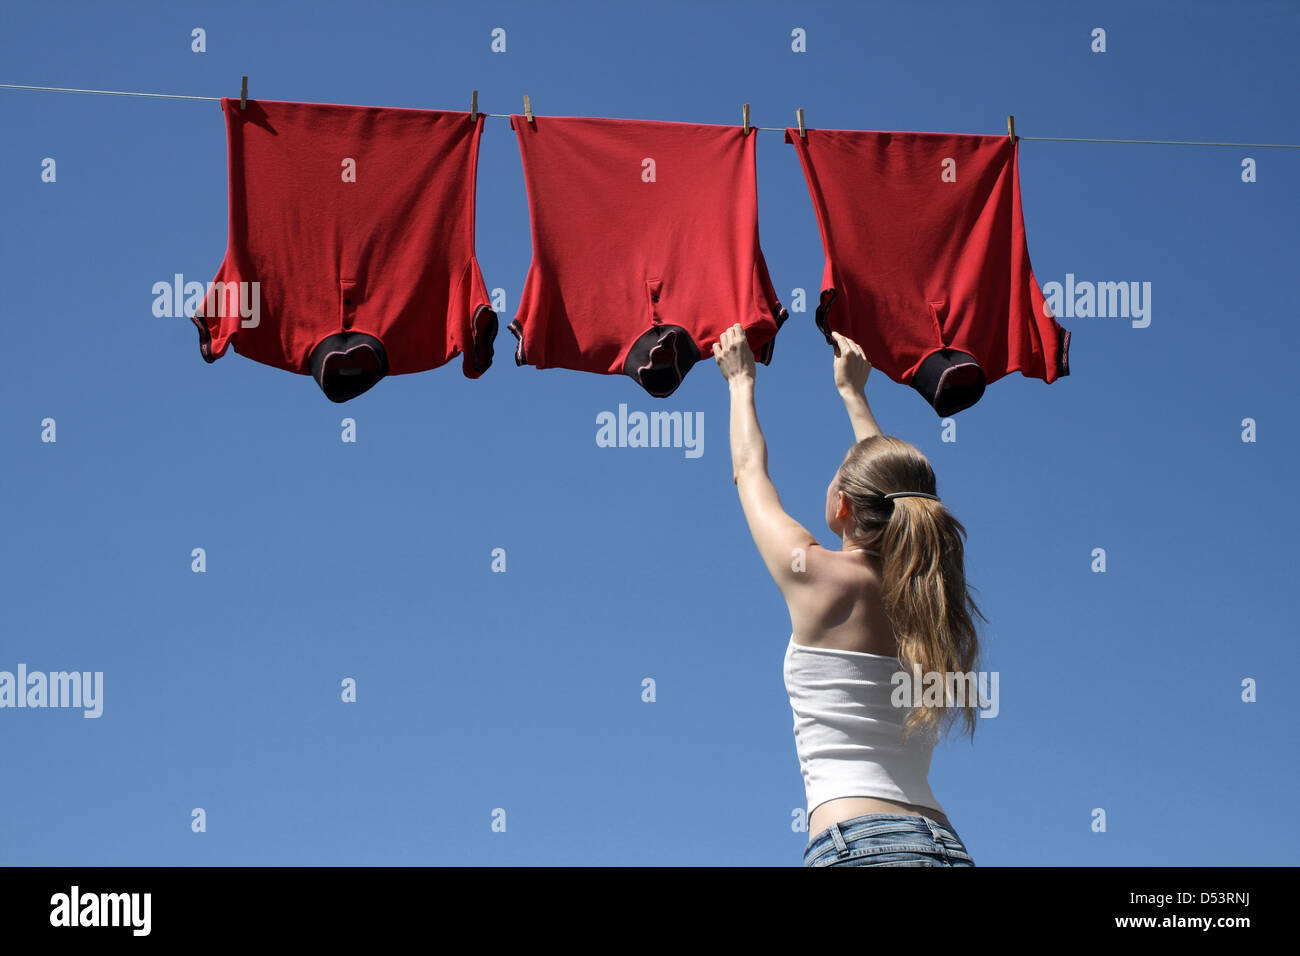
924 582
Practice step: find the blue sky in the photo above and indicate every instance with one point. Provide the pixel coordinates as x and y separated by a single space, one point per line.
522 690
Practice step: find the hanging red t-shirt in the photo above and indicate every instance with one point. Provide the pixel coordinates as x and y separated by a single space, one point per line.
927 267
357 225
645 247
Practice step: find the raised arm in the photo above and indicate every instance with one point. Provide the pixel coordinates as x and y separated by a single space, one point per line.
851 371
776 534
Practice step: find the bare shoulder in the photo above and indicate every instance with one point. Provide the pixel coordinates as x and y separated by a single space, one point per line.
838 584
834 565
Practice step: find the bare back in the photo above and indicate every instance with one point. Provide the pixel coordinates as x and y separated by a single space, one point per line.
845 611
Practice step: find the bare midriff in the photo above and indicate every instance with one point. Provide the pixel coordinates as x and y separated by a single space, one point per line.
844 808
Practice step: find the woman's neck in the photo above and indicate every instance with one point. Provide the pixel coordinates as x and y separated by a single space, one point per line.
849 544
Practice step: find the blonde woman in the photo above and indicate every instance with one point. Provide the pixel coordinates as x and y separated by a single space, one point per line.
892 598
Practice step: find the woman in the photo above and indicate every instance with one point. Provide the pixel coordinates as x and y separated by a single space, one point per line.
894 594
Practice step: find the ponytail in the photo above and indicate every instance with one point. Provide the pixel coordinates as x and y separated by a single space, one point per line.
924 581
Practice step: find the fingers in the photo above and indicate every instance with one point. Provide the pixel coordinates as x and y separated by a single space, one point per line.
730 338
732 353
729 341
845 345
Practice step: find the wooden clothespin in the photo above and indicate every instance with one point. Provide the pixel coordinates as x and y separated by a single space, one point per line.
803 133
744 112
473 108
243 93
1011 129
528 110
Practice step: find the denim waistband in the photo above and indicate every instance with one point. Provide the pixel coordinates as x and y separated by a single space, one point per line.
905 821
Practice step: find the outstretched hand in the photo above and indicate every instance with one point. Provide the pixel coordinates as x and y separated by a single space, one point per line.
851 364
735 360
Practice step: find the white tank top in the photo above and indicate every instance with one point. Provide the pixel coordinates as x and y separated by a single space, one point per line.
848 735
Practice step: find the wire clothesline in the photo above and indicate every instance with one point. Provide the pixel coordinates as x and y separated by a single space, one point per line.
766 129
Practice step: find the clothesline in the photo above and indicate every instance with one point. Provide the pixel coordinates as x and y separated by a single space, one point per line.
766 129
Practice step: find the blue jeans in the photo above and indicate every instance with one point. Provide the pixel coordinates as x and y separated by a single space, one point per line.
887 839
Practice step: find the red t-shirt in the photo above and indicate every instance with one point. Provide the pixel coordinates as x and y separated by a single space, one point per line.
645 247
357 224
927 267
